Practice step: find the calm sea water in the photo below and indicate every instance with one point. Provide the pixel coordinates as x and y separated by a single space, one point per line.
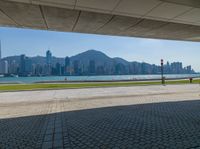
90 78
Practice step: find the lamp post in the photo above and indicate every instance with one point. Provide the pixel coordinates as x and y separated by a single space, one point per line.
162 69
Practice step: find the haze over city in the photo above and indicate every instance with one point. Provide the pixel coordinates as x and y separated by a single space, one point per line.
37 42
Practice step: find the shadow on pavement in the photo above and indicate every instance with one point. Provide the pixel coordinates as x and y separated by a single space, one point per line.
157 125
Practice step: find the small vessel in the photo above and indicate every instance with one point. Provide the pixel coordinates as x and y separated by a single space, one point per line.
14 76
10 75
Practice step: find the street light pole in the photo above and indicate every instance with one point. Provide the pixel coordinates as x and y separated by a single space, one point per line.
162 73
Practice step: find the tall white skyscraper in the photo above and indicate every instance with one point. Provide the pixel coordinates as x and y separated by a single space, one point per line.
4 67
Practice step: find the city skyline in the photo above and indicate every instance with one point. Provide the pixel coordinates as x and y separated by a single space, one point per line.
36 42
49 56
90 62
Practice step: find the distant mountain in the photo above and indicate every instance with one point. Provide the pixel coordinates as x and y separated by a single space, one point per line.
119 60
97 56
91 54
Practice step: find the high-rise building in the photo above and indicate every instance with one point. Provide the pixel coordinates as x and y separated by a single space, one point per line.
25 67
189 69
67 66
76 67
167 68
13 67
119 69
48 57
58 69
22 64
92 67
67 61
48 67
0 50
38 69
1 70
177 67
28 66
4 67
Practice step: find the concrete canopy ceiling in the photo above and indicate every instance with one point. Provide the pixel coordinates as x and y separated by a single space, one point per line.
162 19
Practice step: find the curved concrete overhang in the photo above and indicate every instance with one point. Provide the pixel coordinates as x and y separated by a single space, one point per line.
162 19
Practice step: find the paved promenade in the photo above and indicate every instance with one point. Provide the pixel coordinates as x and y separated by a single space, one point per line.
102 118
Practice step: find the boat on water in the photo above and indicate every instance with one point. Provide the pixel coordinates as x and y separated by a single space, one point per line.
9 75
13 75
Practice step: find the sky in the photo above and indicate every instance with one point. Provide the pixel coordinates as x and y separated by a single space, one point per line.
17 41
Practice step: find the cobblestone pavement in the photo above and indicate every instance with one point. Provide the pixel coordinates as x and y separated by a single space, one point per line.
164 120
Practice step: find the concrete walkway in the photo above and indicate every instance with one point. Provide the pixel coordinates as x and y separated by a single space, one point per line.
121 117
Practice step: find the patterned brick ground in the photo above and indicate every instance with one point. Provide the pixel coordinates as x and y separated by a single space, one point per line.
172 125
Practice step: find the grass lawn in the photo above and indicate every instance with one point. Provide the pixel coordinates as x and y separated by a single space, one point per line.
15 87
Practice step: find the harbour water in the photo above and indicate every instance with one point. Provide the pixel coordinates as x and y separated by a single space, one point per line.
92 78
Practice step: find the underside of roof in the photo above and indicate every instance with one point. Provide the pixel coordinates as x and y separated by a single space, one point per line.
162 19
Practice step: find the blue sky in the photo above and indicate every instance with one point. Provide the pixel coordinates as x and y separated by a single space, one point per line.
35 42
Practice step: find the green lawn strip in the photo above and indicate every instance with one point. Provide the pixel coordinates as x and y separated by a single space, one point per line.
183 82
16 87
57 86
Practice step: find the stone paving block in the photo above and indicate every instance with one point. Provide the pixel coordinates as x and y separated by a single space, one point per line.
58 136
47 145
58 143
48 138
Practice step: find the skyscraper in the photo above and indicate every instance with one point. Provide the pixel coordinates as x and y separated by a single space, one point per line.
1 69
67 61
4 67
92 67
0 50
48 57
76 67
67 65
13 67
28 66
58 69
22 64
48 62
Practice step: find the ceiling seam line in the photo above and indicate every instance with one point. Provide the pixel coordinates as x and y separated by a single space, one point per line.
58 5
152 9
82 8
131 26
43 16
159 27
75 4
178 3
116 6
10 18
171 20
141 18
76 21
183 13
105 23
139 21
